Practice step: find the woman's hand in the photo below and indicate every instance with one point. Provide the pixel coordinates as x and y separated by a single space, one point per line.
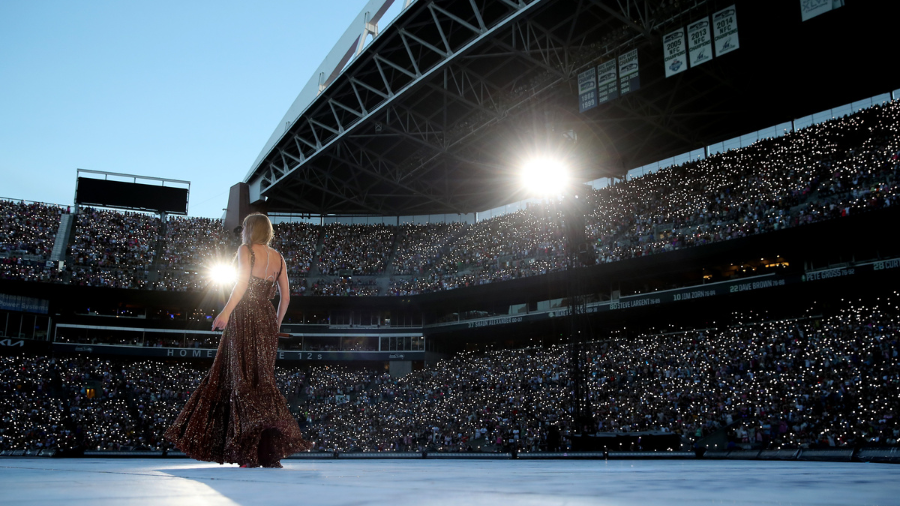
221 321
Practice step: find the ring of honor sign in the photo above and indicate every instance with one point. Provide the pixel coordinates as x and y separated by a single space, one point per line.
629 76
587 89
607 82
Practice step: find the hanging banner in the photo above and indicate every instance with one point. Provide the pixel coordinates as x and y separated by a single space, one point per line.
699 42
587 89
726 31
812 8
629 77
675 53
607 82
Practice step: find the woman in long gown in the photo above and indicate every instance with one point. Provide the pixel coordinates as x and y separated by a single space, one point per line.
237 414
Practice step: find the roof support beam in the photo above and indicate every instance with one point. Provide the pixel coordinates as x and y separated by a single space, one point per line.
619 15
426 44
330 114
358 156
437 24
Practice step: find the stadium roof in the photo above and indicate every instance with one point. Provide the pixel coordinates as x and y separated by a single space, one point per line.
438 112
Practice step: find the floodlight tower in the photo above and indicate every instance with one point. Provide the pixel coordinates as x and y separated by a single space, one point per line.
579 253
549 177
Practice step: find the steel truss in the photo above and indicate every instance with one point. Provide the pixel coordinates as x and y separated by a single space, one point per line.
403 130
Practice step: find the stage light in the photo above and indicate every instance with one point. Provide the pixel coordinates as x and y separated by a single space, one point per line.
222 274
545 177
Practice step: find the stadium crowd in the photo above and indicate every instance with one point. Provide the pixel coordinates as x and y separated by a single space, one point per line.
191 246
297 243
840 167
28 228
355 249
345 285
106 238
420 247
810 382
27 233
192 242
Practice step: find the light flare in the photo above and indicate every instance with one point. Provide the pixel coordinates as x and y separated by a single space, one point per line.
545 177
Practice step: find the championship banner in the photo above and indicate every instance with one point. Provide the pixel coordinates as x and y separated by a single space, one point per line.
725 31
629 77
812 8
607 86
699 42
675 53
587 89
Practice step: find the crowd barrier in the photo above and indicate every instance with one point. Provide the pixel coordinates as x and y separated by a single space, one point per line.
28 453
886 455
875 455
837 455
778 454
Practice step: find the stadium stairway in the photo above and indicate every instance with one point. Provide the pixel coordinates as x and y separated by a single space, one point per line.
63 235
384 284
314 263
389 261
154 271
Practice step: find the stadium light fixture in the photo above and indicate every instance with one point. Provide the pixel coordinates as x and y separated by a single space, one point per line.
222 274
545 177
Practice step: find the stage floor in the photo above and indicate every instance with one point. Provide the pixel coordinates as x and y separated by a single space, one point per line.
470 482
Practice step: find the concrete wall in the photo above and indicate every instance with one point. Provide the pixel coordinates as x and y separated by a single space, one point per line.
400 368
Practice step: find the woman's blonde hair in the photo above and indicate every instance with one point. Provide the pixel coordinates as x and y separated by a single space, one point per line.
258 228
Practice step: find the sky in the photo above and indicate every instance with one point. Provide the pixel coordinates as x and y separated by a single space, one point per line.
187 90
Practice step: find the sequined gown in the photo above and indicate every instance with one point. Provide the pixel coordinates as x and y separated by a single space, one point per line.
237 414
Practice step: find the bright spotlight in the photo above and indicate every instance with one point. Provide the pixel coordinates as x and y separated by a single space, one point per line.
222 274
545 177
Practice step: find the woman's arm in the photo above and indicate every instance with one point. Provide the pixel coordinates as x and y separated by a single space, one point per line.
284 293
239 288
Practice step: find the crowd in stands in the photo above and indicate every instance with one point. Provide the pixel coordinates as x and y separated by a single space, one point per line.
29 416
344 285
355 249
191 247
297 244
27 233
28 228
106 238
840 167
128 277
800 383
195 241
772 184
28 270
420 247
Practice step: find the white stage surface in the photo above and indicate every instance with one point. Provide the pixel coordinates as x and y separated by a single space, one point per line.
96 482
